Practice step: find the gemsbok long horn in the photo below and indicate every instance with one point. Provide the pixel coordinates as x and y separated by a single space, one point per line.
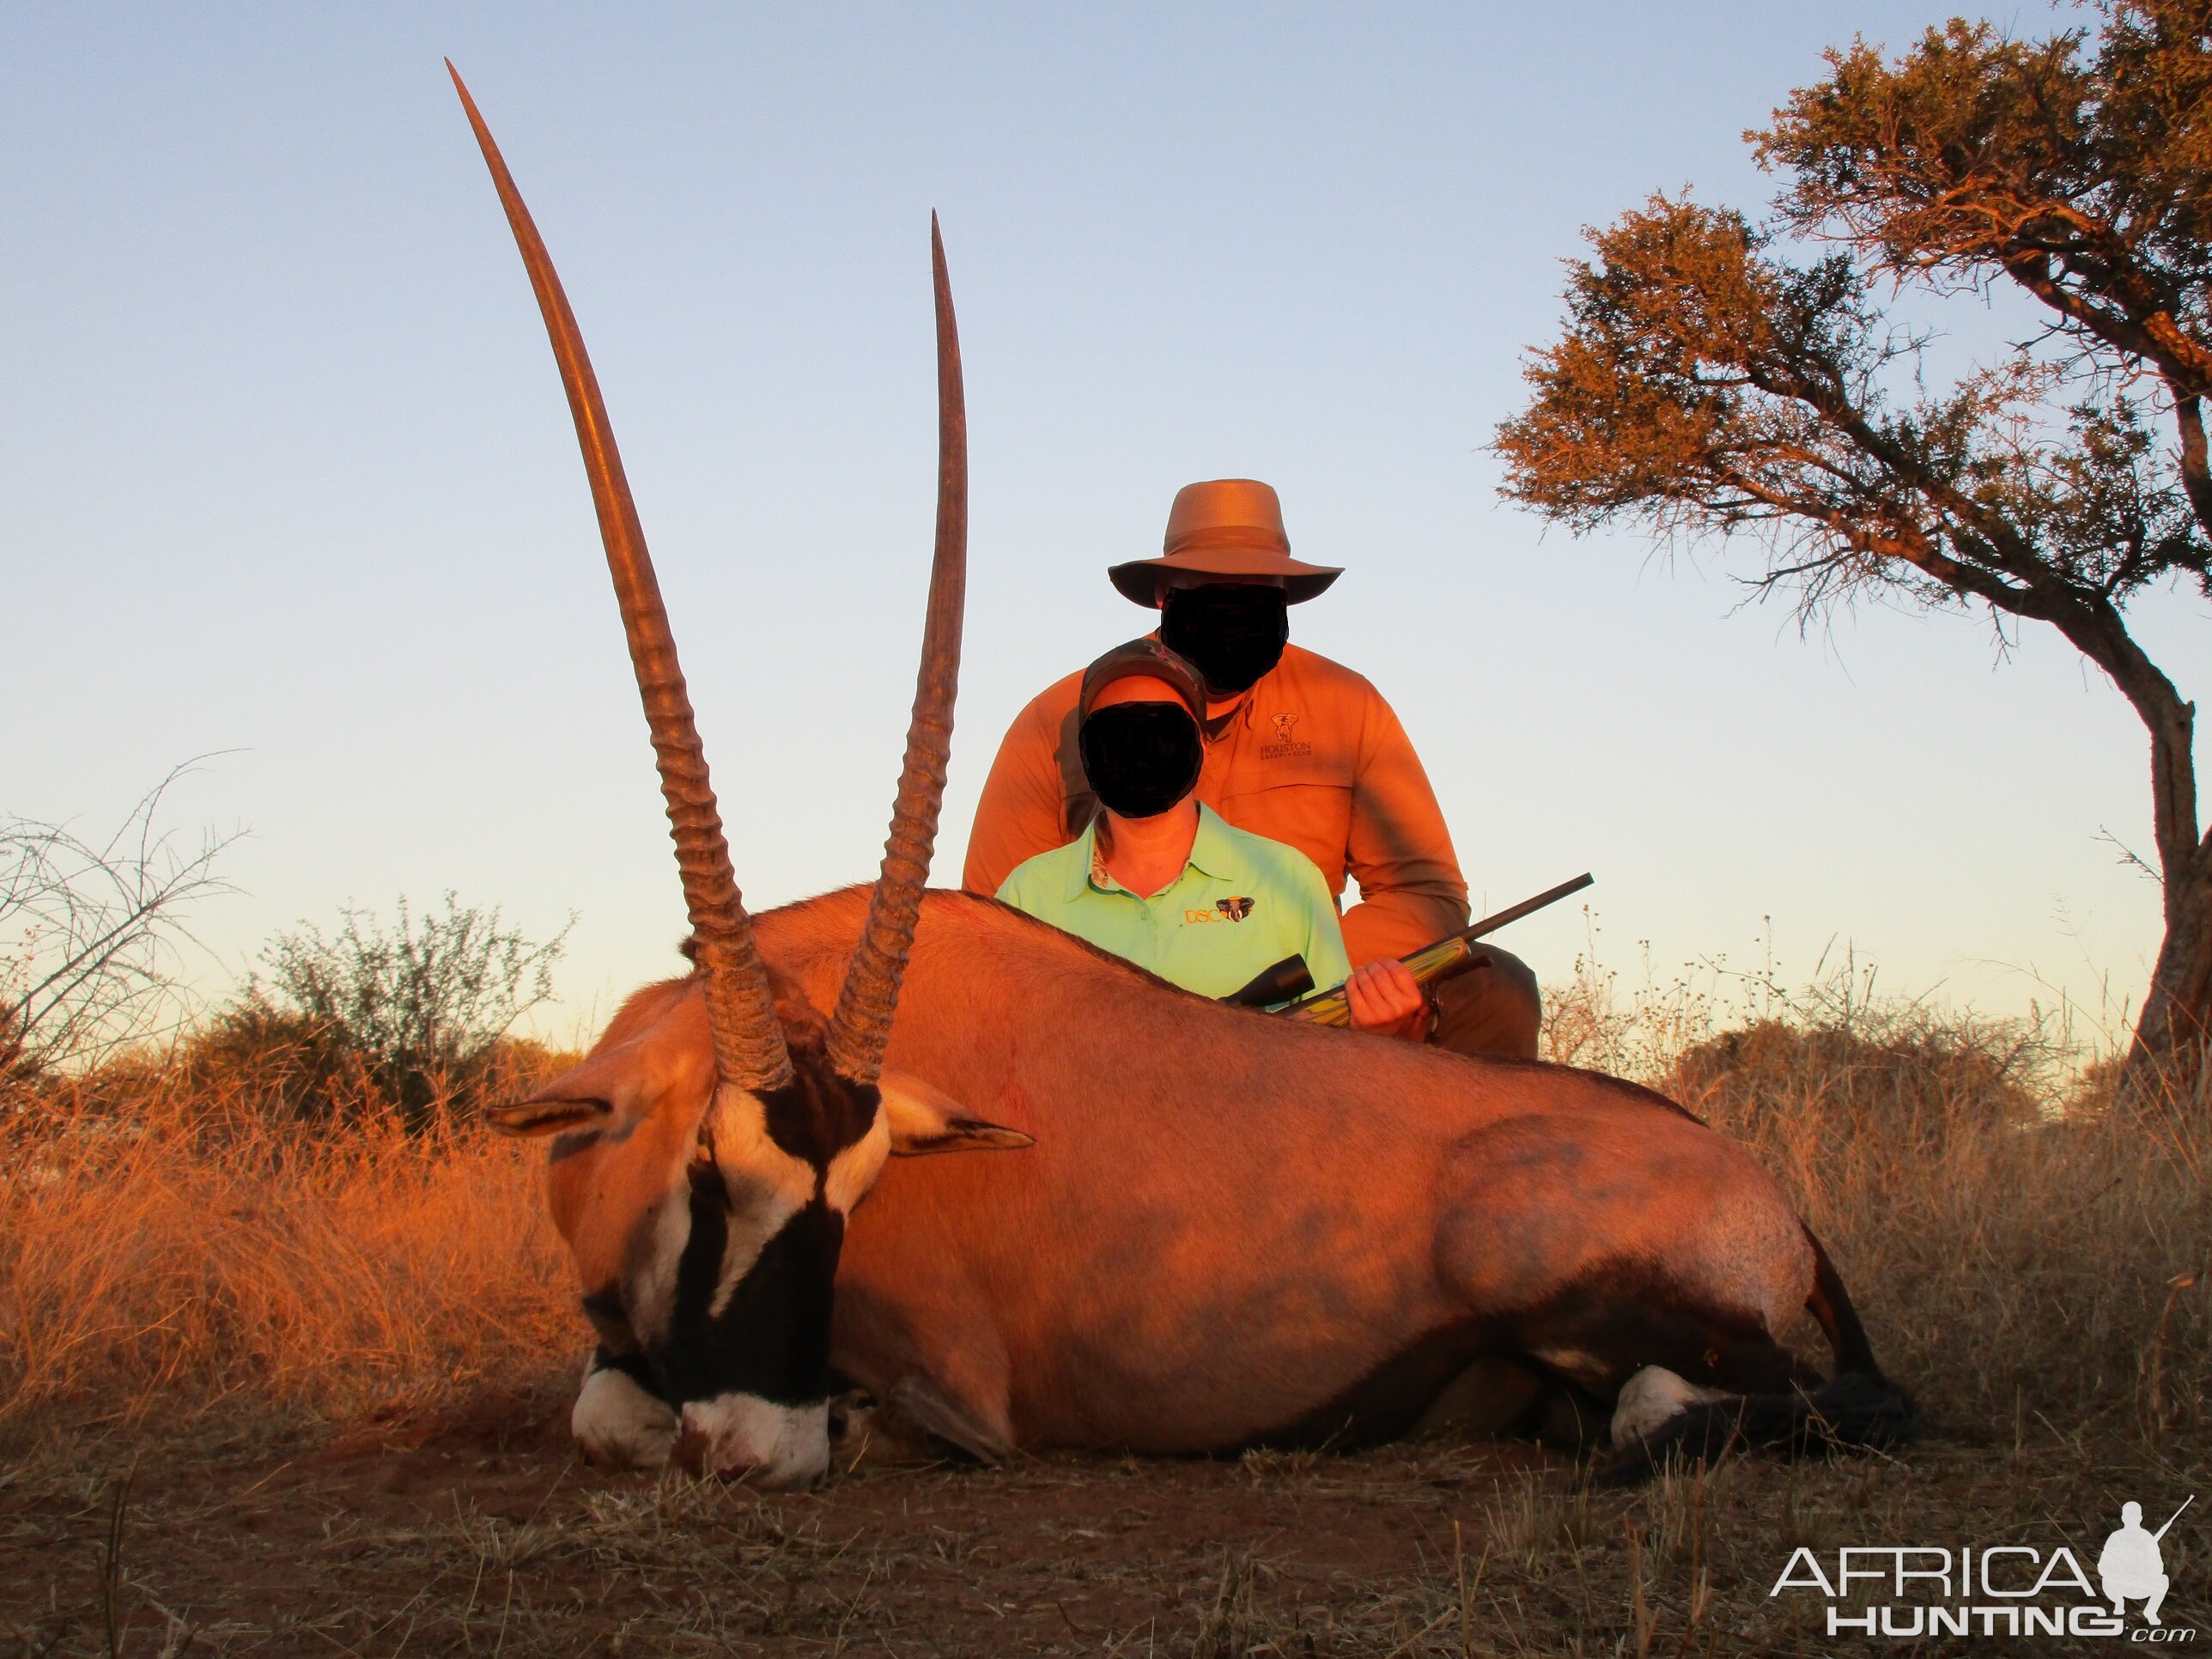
861 1027
748 1047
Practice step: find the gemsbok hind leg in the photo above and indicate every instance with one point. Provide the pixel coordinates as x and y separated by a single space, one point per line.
1857 1407
1651 1262
1693 1378
1625 1333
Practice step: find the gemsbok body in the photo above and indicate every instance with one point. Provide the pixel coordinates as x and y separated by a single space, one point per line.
1203 1228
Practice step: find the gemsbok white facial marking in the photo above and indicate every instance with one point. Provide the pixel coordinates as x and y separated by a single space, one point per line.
742 1436
648 1296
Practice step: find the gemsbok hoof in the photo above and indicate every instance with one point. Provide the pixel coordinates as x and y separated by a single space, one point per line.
619 1425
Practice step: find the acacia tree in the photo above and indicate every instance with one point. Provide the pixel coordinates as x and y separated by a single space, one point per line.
1712 383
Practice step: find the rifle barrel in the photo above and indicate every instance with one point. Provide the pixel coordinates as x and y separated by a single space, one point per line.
1529 906
2175 1516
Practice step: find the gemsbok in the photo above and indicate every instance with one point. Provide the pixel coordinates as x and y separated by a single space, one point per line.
1210 1228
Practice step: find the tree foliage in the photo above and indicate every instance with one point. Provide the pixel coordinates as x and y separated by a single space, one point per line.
1747 380
1708 384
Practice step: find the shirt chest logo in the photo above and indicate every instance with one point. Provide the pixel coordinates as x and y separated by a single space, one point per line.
1287 745
1228 909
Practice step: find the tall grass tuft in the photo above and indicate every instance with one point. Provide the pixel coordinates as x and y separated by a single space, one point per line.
167 1241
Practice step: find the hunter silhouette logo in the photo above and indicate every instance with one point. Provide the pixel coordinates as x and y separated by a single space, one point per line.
1234 909
2131 1567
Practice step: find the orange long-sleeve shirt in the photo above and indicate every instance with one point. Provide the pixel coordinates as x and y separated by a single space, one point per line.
1312 756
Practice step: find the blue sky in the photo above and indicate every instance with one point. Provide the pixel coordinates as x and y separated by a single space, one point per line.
287 471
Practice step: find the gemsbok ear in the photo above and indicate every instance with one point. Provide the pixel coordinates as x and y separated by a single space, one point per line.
925 1119
545 1116
591 1092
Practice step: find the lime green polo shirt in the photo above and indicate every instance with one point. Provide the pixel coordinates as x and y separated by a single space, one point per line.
1242 904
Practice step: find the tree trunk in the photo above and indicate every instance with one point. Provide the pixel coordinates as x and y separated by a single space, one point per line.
2177 1013
2171 1036
2173 1032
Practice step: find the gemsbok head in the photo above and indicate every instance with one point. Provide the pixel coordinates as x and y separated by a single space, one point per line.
703 1187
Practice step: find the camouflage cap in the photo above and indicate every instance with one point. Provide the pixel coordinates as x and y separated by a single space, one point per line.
1147 658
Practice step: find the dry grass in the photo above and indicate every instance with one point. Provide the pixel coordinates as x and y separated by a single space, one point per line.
263 1317
167 1242
2020 1246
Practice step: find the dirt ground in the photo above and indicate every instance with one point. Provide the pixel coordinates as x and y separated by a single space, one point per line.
486 1536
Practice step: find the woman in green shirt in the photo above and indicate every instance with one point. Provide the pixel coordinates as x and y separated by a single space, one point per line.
1161 879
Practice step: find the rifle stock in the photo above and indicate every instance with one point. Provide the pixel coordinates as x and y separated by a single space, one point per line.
1432 964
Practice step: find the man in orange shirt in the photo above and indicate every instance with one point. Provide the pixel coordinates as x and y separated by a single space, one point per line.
1298 749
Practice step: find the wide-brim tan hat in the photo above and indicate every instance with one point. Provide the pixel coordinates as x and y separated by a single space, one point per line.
1225 527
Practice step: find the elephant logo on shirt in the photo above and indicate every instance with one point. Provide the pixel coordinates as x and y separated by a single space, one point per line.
1234 909
1286 745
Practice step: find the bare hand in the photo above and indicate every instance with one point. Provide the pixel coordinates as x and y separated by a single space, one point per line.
1386 1000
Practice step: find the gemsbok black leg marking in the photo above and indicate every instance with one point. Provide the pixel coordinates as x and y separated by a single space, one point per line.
1622 1316
1615 1323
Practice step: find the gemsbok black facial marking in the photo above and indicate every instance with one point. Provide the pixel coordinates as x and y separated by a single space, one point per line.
766 1333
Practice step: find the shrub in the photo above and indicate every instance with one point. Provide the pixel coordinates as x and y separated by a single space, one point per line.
413 1016
1912 1078
92 938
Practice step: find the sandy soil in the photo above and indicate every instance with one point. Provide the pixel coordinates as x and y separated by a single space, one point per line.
485 1536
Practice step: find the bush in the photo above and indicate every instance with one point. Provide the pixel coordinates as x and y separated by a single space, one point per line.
1914 1079
93 937
413 1017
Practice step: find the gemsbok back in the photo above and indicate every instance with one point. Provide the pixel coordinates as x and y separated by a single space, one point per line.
1217 1229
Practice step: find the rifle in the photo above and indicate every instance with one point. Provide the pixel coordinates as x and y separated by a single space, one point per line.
1277 983
1445 959
2171 1519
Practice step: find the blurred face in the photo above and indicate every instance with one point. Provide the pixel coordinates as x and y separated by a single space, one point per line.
1140 746
1233 630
